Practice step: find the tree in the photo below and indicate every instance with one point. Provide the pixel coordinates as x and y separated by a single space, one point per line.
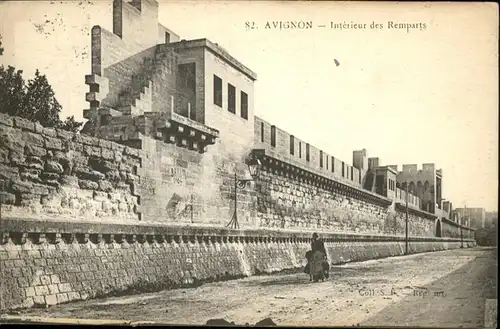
34 100
40 104
12 90
1 48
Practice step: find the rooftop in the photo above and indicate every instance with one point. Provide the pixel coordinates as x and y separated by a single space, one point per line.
215 49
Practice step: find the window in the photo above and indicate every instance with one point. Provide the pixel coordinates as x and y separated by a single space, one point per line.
333 165
187 76
343 167
292 145
321 159
359 176
217 91
326 162
262 131
307 151
352 173
244 105
231 98
300 150
273 136
167 37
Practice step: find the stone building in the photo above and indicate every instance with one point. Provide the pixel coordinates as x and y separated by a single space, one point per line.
147 85
476 217
491 219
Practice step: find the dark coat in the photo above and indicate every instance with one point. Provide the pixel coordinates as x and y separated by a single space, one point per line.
318 245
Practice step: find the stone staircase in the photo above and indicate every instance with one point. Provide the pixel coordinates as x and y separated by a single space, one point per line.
137 98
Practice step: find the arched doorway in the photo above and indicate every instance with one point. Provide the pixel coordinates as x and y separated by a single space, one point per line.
438 228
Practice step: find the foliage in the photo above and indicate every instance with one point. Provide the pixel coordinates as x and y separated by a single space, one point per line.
70 124
33 99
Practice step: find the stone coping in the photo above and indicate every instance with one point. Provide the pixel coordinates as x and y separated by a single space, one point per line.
373 197
402 207
130 232
448 221
194 124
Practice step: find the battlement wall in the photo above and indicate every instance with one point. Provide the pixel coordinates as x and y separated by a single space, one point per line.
293 149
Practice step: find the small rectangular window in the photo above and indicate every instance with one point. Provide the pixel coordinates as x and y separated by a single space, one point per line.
343 171
217 91
273 136
262 132
326 162
321 159
307 151
231 98
333 165
292 145
167 37
300 150
352 173
244 105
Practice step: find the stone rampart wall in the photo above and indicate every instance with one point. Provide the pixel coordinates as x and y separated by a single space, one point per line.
452 230
54 174
292 200
47 263
329 165
62 192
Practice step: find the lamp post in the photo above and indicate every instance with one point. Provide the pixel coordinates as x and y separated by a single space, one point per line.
461 236
254 168
2 189
406 221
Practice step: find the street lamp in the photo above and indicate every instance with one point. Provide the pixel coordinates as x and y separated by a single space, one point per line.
2 186
461 236
254 168
406 221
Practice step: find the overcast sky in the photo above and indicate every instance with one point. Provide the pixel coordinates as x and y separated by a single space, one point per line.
407 97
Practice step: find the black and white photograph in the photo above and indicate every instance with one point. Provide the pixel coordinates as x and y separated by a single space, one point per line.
249 163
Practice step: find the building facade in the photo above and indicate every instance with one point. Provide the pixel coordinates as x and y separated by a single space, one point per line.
192 94
476 217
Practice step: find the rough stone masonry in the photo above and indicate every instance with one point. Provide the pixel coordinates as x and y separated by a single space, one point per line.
140 199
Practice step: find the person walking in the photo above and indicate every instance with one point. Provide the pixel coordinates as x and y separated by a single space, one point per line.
318 259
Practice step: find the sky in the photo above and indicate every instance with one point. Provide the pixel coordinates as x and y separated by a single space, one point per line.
408 97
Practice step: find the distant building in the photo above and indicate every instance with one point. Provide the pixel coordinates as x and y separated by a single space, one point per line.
491 219
475 216
425 183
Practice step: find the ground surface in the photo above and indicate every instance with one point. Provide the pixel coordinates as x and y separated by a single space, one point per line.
441 289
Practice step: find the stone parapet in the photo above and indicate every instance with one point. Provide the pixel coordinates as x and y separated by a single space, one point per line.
18 231
48 263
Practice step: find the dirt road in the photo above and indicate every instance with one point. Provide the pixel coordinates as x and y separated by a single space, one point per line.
446 288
